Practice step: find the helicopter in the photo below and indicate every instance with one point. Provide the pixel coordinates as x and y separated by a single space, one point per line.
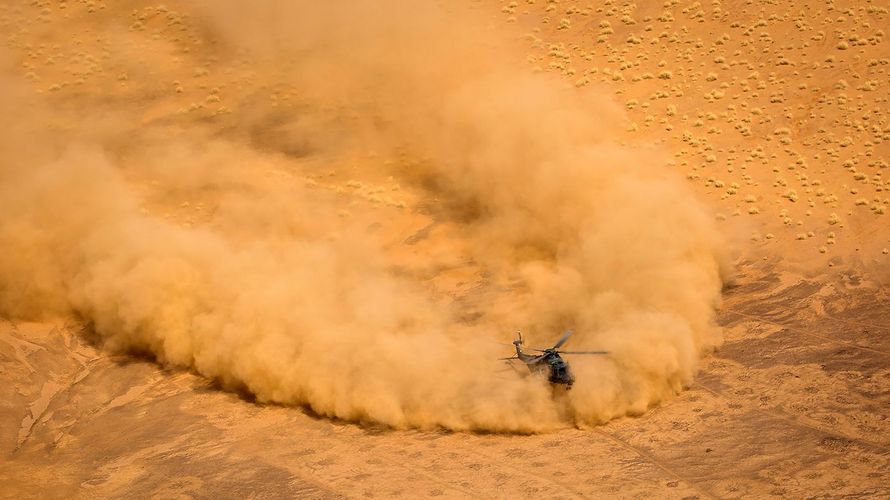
550 360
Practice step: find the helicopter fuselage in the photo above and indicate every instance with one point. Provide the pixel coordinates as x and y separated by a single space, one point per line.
549 363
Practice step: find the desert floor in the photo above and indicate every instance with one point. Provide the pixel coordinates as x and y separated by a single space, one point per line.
776 113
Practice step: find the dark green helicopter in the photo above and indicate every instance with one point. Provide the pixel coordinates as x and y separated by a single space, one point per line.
550 361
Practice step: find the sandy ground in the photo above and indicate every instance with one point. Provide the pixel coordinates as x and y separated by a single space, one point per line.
776 113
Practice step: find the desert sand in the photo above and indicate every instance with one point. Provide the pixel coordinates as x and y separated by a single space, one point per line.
268 250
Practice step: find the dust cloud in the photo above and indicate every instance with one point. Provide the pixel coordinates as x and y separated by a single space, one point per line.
280 293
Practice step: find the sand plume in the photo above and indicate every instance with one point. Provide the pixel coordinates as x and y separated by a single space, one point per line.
277 293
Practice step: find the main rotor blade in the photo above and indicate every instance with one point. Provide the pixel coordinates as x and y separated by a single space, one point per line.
583 352
562 341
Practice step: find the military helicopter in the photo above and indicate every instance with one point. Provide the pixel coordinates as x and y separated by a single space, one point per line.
550 360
